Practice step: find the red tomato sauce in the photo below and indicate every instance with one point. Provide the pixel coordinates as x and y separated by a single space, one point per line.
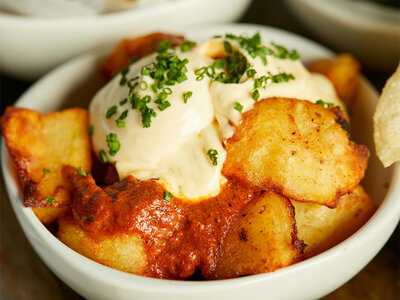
179 237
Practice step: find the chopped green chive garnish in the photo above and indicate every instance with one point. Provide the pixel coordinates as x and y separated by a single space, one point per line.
147 114
263 80
250 73
161 97
123 74
187 45
132 82
254 47
143 85
120 123
220 63
164 46
168 196
255 95
81 172
186 96
259 81
113 144
167 91
222 77
283 53
123 116
181 78
238 107
90 130
122 81
234 65
122 102
325 104
144 71
103 156
125 71
294 55
167 70
281 77
228 47
50 200
212 154
111 111
162 106
46 171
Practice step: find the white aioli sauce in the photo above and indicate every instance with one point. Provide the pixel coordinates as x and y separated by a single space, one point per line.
174 148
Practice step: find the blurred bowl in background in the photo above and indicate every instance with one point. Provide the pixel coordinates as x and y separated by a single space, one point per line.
31 46
369 30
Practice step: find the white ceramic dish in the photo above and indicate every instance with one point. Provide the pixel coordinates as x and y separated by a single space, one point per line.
310 279
32 46
368 30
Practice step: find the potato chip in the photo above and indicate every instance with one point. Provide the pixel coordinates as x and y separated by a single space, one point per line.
387 122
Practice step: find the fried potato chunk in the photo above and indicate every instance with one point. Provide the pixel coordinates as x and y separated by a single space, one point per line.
39 145
296 148
46 215
133 49
343 71
262 240
120 251
322 228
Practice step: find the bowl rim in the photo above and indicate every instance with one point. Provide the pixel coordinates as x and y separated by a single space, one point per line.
388 210
365 16
11 19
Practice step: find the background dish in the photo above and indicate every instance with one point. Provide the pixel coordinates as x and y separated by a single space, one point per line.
32 46
309 279
367 29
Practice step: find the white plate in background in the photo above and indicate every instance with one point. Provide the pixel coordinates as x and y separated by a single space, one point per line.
368 30
32 46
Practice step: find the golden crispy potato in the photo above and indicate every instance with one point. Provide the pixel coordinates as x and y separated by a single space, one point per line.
136 48
295 148
49 214
322 228
262 240
39 145
120 251
343 72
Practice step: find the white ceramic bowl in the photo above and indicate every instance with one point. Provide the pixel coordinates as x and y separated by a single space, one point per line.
32 46
368 30
75 82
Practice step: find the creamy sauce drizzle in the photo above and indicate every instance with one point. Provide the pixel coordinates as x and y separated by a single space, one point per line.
174 149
